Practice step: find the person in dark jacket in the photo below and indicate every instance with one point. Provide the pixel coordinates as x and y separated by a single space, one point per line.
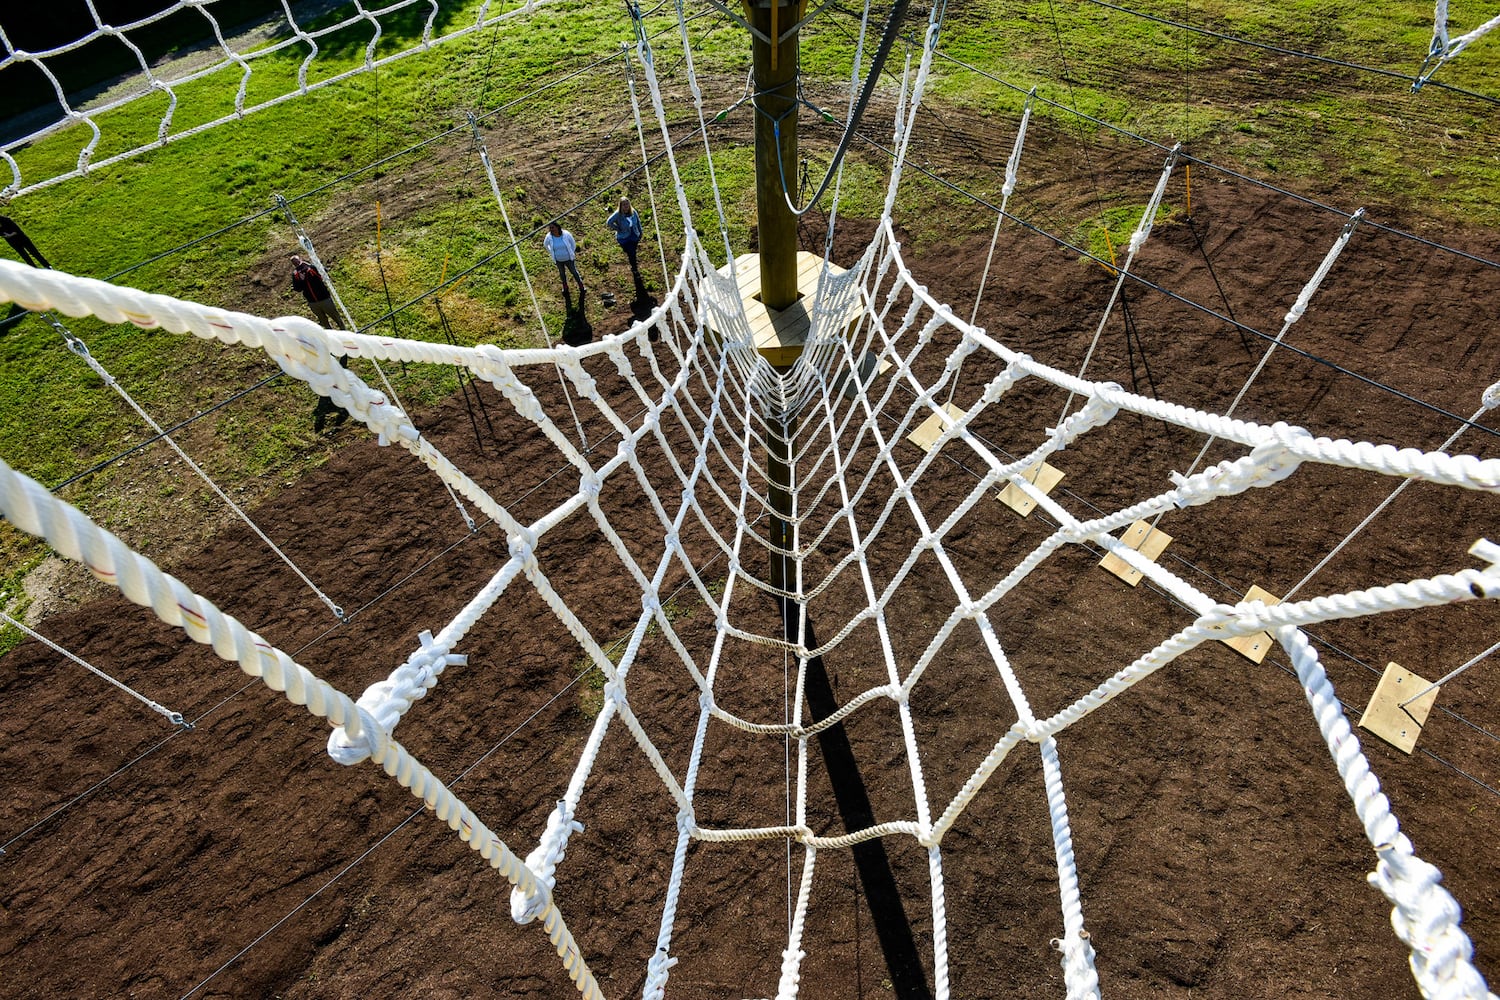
21 243
626 224
307 280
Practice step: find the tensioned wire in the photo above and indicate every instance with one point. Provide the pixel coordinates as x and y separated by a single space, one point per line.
366 168
1304 199
348 617
315 640
603 60
927 110
1296 54
651 162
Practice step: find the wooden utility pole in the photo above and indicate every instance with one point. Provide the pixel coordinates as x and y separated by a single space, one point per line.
775 66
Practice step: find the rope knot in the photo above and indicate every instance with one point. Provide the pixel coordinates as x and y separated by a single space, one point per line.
543 862
656 974
347 749
523 548
582 380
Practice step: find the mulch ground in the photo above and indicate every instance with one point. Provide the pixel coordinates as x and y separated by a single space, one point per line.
1218 854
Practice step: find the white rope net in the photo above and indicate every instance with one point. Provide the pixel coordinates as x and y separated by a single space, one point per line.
699 394
225 75
279 59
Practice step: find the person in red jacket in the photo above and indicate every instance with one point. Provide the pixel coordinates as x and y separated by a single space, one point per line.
307 280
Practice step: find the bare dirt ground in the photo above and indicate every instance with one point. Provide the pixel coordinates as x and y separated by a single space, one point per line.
1218 853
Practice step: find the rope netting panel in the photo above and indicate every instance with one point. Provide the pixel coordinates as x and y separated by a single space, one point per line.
251 70
688 384
227 73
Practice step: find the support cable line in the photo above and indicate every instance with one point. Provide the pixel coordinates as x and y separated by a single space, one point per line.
1217 168
1177 602
152 439
81 350
863 510
1421 78
1443 47
175 718
306 243
872 77
416 573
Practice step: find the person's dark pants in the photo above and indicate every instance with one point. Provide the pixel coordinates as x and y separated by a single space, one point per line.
326 315
328 408
630 248
563 267
21 244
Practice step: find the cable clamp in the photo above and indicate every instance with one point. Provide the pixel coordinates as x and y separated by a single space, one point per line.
1354 221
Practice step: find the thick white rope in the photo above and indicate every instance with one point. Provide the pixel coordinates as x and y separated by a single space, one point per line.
1490 401
700 302
1137 240
1443 48
1425 916
31 508
1299 307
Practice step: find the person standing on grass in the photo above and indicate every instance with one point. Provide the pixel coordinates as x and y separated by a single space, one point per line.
564 250
21 243
626 223
307 280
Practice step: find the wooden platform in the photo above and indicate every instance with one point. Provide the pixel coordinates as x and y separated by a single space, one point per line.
1043 476
1255 646
781 334
1387 718
1148 541
928 432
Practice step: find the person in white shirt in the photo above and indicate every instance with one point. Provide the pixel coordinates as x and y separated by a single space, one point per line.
564 250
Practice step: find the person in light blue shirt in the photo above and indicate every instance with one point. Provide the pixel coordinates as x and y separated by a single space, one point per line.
564 250
626 223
